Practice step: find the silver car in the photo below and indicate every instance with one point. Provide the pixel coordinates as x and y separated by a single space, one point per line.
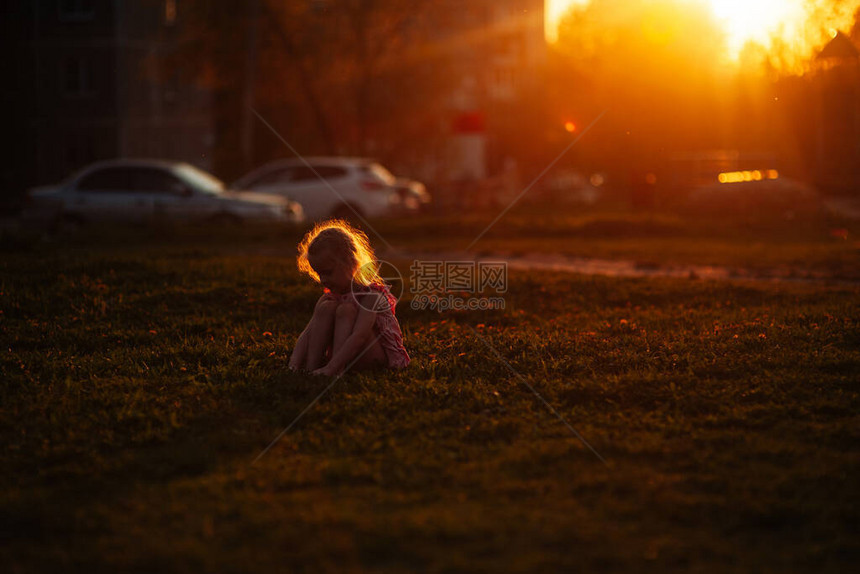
131 190
328 186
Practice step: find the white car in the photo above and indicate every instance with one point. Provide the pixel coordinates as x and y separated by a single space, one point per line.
413 195
130 190
328 186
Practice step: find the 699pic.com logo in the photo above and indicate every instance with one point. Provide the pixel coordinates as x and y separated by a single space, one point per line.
392 286
458 285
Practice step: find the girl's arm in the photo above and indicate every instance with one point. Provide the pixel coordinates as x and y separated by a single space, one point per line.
360 338
300 352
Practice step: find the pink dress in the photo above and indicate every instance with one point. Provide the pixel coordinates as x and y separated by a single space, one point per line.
386 325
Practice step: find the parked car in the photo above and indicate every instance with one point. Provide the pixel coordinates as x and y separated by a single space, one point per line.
329 186
130 190
757 195
413 195
571 187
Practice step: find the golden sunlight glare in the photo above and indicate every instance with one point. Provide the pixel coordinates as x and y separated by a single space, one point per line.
795 23
553 11
743 20
757 20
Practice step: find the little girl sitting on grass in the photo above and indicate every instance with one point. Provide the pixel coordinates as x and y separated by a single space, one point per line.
353 324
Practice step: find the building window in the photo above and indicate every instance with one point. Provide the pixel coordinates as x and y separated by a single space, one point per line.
502 14
80 150
502 83
77 77
169 12
76 10
171 87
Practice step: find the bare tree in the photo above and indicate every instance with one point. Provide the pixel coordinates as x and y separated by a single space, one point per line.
347 77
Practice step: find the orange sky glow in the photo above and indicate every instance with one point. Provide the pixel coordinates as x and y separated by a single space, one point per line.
797 23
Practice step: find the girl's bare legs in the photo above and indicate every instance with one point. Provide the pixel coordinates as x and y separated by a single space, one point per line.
344 319
300 352
344 322
321 328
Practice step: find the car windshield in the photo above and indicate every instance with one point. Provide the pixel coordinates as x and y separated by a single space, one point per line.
199 179
380 172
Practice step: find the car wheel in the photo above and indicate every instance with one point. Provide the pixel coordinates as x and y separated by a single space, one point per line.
348 212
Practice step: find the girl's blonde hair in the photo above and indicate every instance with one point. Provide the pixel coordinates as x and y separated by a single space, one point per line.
347 243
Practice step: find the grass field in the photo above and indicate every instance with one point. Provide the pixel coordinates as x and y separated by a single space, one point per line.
144 371
826 246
